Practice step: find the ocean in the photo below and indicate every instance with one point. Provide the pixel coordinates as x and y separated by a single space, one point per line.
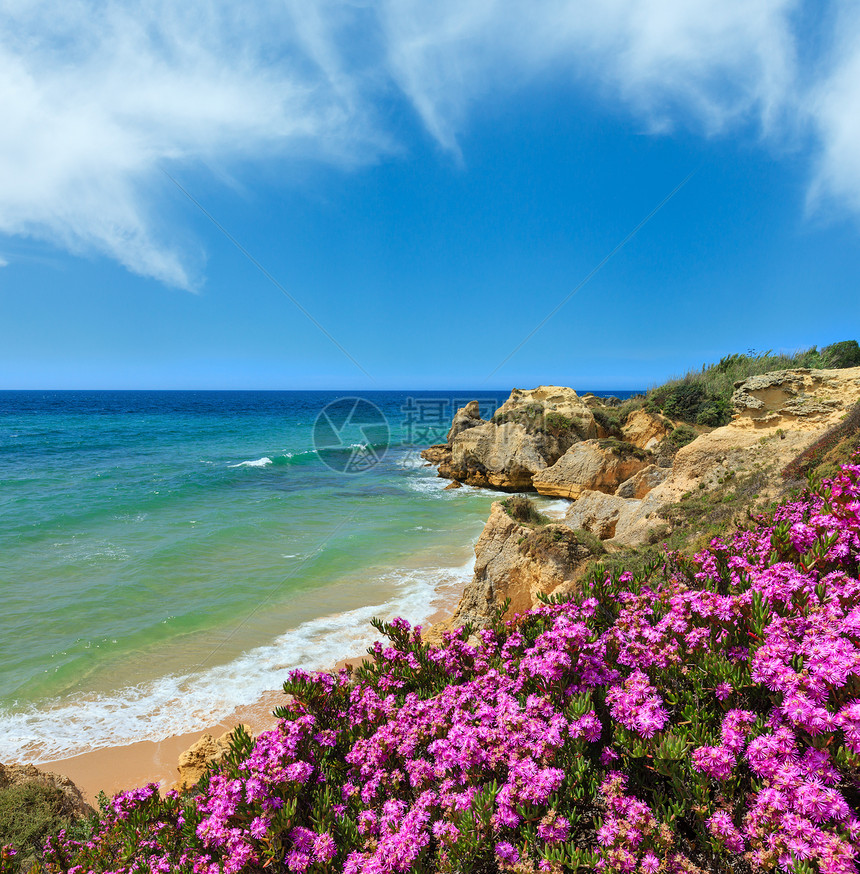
167 556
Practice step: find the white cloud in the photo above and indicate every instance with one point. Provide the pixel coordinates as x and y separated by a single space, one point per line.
834 109
3 262
98 97
668 59
95 99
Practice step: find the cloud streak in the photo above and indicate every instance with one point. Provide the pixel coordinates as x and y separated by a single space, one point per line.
97 98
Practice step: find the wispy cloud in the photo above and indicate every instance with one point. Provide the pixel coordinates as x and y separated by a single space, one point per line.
97 97
834 108
672 61
3 262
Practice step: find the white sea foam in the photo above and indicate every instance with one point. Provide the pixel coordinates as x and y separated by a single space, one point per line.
265 461
411 460
179 704
429 484
555 508
76 552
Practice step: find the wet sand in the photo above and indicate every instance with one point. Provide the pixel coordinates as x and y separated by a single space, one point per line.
114 769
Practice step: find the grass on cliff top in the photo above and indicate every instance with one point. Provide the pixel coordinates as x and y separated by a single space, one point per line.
535 419
703 397
521 509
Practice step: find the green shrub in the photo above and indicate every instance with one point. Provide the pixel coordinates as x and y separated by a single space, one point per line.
610 421
681 436
704 396
590 541
521 509
556 424
535 419
843 354
684 402
623 448
28 813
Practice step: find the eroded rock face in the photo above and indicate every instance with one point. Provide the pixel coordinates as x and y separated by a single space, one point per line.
517 562
437 453
465 418
195 761
528 433
598 513
642 482
598 465
786 394
19 775
778 416
504 457
644 429
553 400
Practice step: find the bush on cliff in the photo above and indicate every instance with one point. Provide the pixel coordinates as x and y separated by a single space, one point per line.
29 812
523 510
703 397
701 714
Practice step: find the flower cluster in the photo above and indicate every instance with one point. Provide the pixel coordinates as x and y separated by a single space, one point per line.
703 712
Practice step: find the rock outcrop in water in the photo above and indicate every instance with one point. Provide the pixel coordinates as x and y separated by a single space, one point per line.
528 434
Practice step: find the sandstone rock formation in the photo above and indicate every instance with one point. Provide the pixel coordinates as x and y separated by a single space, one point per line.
642 482
515 561
504 456
598 513
465 418
546 401
644 429
195 761
778 416
528 433
437 453
18 775
601 465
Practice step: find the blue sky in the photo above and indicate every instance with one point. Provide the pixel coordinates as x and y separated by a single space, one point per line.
429 182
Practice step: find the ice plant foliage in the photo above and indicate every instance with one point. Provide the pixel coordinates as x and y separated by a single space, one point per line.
702 715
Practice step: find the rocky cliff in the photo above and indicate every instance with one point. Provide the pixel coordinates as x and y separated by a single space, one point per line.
196 760
620 488
527 434
515 561
777 416
73 804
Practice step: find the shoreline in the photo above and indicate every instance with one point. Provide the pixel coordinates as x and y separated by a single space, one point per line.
117 768
114 769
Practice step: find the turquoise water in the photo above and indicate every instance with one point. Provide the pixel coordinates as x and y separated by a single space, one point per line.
168 556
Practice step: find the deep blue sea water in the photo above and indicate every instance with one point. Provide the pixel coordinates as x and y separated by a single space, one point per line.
167 556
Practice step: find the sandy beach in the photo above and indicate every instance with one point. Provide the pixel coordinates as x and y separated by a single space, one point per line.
115 769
